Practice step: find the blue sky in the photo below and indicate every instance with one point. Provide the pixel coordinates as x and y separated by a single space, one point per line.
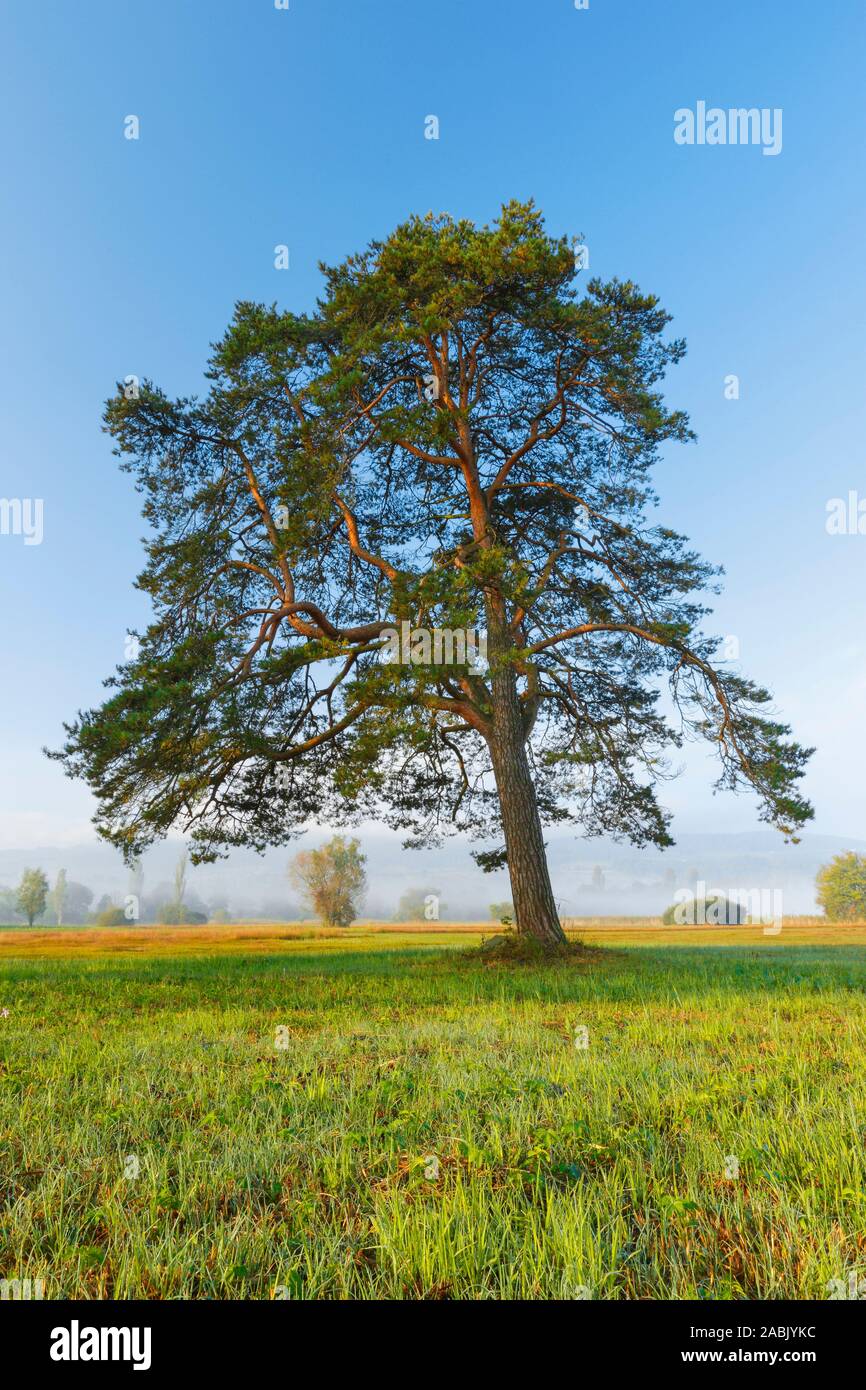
306 127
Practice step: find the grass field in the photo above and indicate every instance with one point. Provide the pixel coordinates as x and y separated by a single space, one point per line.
262 1112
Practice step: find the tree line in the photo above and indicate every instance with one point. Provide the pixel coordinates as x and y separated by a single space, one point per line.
332 881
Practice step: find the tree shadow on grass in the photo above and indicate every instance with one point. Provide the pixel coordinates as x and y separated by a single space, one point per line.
425 976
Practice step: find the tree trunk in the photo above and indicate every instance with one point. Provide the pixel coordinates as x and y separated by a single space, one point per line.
531 890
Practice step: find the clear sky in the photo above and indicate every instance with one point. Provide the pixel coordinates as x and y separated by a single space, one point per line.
306 127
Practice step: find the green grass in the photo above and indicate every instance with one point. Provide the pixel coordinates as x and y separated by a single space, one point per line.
309 1169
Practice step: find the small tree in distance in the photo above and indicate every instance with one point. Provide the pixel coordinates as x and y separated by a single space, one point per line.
32 894
419 905
77 902
178 912
58 897
841 886
9 908
332 879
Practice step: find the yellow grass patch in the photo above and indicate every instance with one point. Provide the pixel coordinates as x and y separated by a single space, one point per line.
240 937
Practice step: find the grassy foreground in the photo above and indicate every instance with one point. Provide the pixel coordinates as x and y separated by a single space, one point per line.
384 1115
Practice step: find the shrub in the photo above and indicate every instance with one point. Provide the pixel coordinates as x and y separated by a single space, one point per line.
111 917
179 915
715 910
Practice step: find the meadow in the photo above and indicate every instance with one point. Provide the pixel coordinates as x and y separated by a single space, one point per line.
270 1112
